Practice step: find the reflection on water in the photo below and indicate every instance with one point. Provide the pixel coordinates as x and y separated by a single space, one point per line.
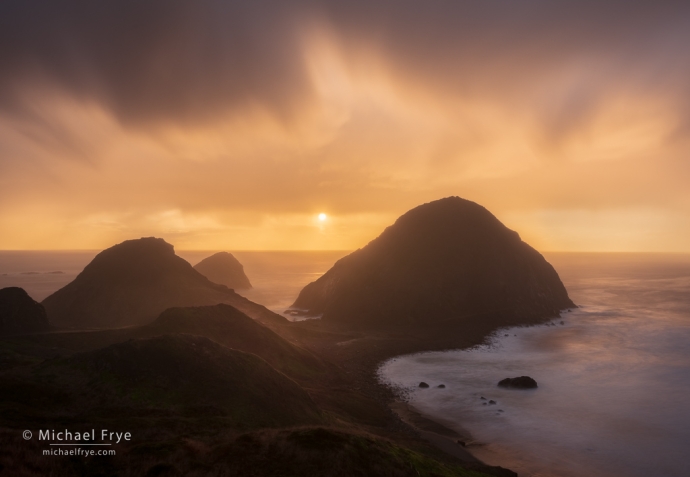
613 379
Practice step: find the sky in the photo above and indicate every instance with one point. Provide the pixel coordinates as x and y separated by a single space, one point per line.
225 125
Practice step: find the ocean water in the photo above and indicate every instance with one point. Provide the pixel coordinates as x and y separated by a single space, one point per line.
41 273
614 377
276 277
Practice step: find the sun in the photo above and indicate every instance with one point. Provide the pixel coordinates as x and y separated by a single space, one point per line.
322 217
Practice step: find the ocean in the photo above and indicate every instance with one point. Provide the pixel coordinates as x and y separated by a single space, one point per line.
276 277
614 377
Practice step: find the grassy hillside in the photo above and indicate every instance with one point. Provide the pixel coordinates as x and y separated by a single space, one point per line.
232 328
300 452
164 376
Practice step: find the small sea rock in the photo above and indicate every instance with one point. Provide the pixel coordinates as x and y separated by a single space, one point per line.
492 402
521 382
423 385
442 386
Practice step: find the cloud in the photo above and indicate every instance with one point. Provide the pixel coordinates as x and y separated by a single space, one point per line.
172 60
222 110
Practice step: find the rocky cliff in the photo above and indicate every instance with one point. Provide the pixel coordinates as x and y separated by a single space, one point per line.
445 262
133 282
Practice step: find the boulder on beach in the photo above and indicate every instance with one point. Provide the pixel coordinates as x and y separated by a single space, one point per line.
20 314
135 281
224 268
521 382
442 264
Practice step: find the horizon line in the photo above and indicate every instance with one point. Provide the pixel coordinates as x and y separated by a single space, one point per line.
666 252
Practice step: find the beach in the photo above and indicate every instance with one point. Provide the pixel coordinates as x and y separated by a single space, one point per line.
612 376
599 287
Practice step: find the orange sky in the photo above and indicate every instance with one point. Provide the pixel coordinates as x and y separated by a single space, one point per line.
223 126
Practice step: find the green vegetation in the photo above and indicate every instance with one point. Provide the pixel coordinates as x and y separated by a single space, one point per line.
171 374
298 452
232 328
227 397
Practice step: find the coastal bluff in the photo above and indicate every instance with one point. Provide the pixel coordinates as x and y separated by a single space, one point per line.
447 263
224 268
133 282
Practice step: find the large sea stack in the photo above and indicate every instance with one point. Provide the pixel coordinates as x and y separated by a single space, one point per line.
133 282
224 268
20 314
441 264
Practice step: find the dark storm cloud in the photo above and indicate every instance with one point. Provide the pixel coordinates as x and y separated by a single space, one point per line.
187 61
245 119
149 59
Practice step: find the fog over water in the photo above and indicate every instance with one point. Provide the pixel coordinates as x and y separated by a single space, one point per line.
277 277
613 378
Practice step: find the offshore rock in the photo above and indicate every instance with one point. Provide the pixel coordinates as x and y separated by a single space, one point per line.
225 269
135 281
521 382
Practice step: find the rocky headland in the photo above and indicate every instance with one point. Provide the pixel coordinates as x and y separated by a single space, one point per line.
443 264
131 283
446 275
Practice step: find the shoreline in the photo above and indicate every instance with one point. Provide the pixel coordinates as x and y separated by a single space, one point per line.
460 444
361 353
451 436
446 439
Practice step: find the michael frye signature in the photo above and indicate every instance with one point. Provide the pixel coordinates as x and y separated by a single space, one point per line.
103 437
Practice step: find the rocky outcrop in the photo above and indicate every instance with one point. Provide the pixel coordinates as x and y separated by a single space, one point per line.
230 327
225 269
133 282
521 382
448 262
20 314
